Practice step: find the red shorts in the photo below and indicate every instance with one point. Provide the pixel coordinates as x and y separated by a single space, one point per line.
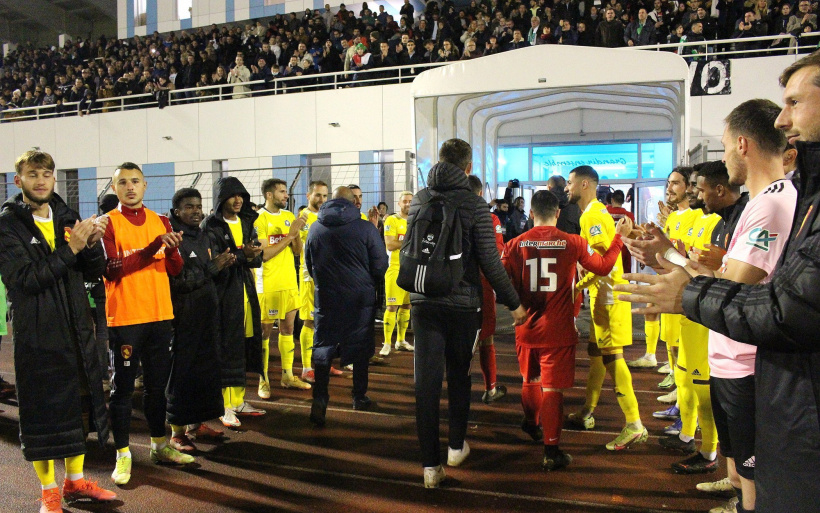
555 365
487 310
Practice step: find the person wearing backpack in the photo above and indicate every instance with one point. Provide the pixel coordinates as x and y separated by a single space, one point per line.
447 322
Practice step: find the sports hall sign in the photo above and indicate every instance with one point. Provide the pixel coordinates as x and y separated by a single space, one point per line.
710 78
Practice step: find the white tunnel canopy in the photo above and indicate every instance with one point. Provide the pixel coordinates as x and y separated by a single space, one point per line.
550 94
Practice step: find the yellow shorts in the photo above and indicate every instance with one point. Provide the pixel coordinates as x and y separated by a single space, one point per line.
276 305
306 300
613 324
670 329
693 352
393 294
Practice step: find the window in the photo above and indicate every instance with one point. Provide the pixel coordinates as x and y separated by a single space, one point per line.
71 188
656 160
184 9
612 161
513 163
140 17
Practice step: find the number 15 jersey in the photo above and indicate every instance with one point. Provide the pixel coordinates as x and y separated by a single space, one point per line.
541 264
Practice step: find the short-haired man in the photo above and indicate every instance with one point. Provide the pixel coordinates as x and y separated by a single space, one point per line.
617 211
447 327
142 251
542 263
397 313
46 252
230 228
279 232
195 386
346 257
611 329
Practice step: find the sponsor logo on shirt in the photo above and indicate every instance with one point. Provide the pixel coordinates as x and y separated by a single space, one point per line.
543 244
760 238
272 312
67 234
677 226
273 239
595 230
128 252
498 228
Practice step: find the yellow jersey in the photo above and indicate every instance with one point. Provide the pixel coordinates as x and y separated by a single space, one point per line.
702 230
46 227
364 216
309 219
278 273
679 226
238 239
395 226
598 229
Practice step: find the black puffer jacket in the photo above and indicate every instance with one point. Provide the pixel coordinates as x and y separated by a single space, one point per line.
237 353
55 353
781 318
478 244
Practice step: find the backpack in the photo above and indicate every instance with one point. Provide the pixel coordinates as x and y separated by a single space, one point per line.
430 260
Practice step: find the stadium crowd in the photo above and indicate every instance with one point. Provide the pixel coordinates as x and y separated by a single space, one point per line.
336 40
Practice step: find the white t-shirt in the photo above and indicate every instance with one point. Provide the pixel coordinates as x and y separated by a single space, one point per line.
759 239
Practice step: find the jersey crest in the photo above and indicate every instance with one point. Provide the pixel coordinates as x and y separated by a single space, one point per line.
760 238
595 230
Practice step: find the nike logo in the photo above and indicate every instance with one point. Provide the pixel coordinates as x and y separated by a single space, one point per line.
553 439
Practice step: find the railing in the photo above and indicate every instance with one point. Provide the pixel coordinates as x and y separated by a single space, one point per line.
703 50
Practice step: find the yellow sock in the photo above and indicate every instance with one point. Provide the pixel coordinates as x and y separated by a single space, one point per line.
597 373
306 341
124 450
653 331
708 431
403 320
265 358
389 325
158 442
226 397
233 396
177 430
74 467
671 356
45 472
623 389
286 349
688 404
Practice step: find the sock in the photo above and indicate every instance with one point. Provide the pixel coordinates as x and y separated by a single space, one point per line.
403 320
624 391
237 396
286 349
265 358
125 452
531 402
597 373
306 343
177 430
671 356
226 397
74 467
652 329
45 472
688 404
706 419
552 416
158 443
709 455
389 324
486 356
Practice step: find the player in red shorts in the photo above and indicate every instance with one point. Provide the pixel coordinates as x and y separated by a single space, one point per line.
541 264
486 349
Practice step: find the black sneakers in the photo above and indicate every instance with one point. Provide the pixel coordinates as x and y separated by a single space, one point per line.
500 391
535 432
318 412
559 461
674 443
697 464
362 403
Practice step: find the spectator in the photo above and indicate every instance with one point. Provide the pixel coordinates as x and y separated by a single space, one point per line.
640 32
239 75
361 61
694 35
470 51
567 36
802 19
220 78
585 36
384 60
407 11
534 30
546 37
448 51
610 33
748 27
516 42
261 71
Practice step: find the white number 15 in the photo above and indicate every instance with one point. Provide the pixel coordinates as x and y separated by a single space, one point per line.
552 278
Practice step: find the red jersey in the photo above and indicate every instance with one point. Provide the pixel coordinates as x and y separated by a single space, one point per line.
488 299
617 214
541 264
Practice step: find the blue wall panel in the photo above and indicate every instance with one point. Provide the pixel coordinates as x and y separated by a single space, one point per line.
161 188
151 17
87 185
129 18
186 23
369 179
230 14
257 8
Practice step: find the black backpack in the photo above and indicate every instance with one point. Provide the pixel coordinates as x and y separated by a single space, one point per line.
430 260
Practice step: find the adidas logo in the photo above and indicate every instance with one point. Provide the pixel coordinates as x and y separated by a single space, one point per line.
750 462
192 255
34 240
425 250
696 373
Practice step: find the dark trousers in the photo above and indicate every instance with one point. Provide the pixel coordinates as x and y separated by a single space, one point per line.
321 374
149 343
443 336
101 335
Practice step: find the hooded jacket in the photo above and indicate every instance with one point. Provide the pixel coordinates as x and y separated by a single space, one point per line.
238 354
478 244
55 352
346 257
782 319
195 386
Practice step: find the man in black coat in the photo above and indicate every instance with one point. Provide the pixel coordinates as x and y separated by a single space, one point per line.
241 336
446 328
780 317
195 386
346 257
47 255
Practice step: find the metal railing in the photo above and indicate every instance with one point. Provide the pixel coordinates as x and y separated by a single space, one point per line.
710 49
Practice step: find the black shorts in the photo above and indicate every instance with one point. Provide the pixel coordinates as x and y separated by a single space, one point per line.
733 406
